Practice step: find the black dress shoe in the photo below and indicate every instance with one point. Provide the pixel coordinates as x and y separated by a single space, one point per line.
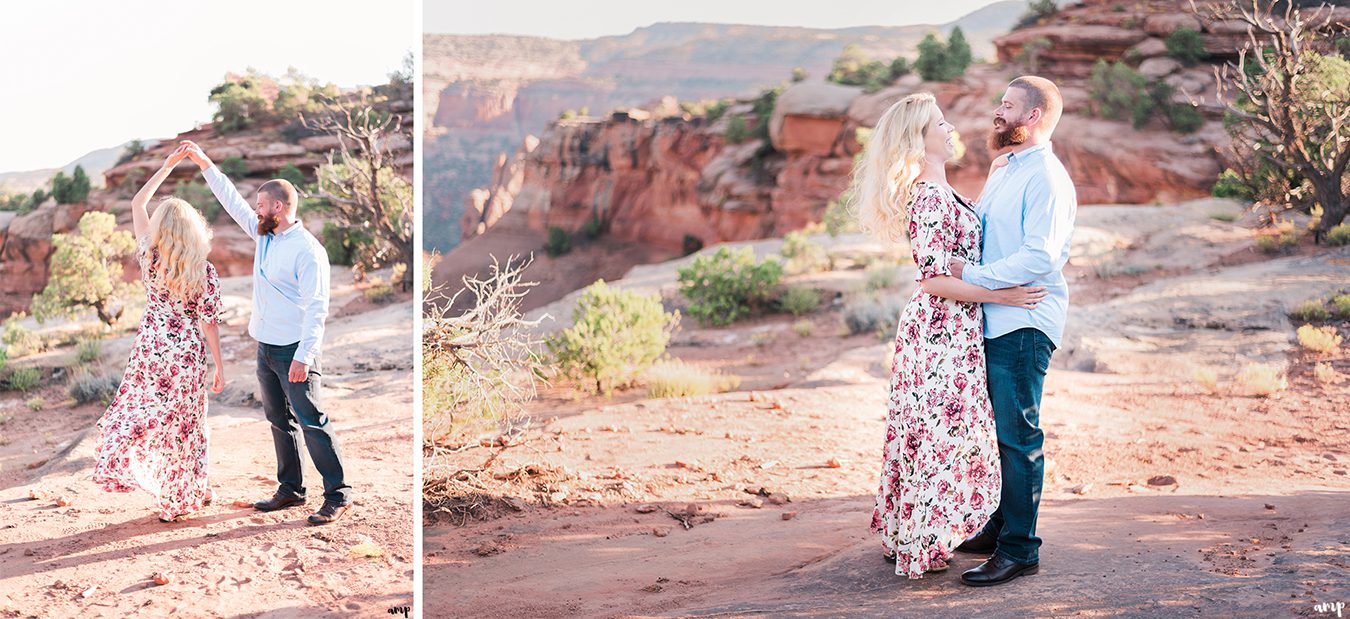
330 512
279 501
983 543
996 571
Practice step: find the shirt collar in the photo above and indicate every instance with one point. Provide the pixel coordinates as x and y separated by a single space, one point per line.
1015 157
294 229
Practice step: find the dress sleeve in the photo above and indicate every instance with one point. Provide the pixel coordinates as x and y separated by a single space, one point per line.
930 238
209 311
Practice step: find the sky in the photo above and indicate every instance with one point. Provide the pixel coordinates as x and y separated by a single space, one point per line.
586 19
80 75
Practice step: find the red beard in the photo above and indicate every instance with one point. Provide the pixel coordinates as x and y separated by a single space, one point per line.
1011 135
268 225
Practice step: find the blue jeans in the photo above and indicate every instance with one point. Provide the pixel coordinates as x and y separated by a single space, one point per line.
1016 365
292 408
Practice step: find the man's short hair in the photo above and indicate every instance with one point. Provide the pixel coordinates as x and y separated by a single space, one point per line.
281 189
1044 94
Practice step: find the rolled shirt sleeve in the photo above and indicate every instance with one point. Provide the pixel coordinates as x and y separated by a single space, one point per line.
313 276
1047 215
234 203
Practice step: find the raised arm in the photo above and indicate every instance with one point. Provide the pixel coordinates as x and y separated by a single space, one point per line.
140 212
224 191
998 162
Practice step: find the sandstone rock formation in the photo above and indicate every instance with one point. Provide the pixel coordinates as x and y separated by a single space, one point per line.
25 241
656 181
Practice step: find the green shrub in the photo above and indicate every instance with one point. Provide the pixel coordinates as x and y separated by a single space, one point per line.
803 327
1230 185
35 403
872 314
1340 235
1184 118
1120 92
728 285
4 358
1261 379
88 386
1318 339
882 276
293 174
88 350
379 293
802 255
616 335
1036 9
1186 46
343 243
199 195
1341 305
594 228
559 242
72 190
939 62
798 301
677 379
233 167
20 341
837 218
737 132
1312 310
854 68
23 379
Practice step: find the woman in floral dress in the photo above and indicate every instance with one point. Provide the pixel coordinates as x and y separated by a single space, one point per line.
940 477
153 436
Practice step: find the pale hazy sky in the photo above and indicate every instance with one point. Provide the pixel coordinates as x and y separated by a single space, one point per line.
585 19
76 76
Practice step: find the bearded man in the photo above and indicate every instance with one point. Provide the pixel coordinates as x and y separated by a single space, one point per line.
1027 211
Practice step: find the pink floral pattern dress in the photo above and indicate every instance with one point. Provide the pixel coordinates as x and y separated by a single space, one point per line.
940 478
153 436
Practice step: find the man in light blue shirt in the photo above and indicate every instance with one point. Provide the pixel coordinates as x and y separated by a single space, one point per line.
1027 211
290 303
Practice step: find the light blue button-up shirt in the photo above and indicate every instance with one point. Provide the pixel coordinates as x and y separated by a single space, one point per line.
1027 211
290 277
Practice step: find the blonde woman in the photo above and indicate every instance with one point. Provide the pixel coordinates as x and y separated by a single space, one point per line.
153 436
940 478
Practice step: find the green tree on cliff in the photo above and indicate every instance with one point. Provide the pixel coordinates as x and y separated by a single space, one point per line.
939 62
70 190
86 271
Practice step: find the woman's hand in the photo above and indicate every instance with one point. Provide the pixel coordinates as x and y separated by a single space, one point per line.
999 162
218 382
1026 297
176 157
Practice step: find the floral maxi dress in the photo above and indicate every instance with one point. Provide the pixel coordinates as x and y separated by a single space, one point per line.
940 479
153 436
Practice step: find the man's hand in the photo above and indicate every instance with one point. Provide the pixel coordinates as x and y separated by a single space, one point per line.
299 372
176 157
196 154
956 266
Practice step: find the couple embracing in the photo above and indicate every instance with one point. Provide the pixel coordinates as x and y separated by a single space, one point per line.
154 435
963 465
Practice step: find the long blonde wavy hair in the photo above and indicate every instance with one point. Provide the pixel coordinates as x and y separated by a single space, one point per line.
884 176
181 236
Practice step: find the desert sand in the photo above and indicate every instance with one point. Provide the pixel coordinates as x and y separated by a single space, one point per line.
1161 497
67 548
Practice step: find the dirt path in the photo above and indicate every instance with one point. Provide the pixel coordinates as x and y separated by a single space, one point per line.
76 550
1161 498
